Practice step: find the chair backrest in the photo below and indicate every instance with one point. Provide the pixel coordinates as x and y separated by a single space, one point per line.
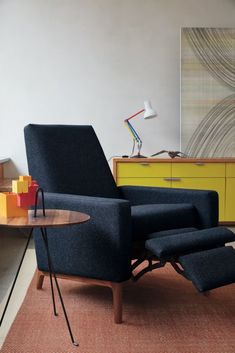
68 159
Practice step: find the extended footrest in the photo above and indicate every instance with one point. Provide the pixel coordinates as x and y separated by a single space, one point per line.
202 255
210 269
184 243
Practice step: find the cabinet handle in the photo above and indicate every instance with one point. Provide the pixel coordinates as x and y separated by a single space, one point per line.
144 164
199 163
172 179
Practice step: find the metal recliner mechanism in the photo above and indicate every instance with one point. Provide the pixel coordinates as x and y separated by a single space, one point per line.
200 256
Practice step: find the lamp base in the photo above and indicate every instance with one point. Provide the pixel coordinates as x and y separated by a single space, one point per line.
138 156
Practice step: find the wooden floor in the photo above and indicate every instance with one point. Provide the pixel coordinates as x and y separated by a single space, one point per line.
12 243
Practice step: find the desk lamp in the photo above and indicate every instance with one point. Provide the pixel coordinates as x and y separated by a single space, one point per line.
149 113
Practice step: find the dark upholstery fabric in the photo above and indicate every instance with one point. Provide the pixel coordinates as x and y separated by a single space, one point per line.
68 159
175 245
205 202
165 233
210 269
99 248
155 217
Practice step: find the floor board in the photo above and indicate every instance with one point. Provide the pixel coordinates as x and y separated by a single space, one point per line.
12 243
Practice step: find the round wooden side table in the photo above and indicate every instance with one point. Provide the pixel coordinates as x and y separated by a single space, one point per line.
52 218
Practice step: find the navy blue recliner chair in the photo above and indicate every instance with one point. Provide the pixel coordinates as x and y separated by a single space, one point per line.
141 223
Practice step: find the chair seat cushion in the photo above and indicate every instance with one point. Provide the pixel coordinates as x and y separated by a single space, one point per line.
178 244
151 218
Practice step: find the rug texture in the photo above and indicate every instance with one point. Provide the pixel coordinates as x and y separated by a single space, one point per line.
162 314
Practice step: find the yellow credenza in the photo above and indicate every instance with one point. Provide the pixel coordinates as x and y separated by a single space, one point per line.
206 174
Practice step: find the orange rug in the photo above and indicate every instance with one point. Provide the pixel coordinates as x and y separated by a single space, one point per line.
162 314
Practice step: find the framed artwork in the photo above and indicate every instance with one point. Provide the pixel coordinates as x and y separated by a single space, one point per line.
208 92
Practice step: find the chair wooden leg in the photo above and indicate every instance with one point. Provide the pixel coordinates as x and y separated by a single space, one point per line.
116 290
40 279
206 293
117 302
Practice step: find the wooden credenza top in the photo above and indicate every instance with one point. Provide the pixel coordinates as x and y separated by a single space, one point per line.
174 160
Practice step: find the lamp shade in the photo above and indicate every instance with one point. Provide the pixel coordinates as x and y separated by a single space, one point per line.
149 113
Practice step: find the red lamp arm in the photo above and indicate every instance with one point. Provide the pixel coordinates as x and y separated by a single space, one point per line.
132 116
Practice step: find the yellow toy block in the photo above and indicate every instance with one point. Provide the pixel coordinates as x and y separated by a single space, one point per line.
27 178
19 186
8 206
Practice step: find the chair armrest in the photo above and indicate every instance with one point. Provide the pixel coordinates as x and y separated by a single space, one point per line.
99 248
204 201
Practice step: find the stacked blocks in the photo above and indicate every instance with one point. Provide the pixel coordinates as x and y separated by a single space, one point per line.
17 202
8 206
27 199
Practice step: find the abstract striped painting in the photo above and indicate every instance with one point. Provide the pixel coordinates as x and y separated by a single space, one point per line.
208 92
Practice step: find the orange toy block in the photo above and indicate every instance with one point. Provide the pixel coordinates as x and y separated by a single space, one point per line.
19 186
8 206
27 178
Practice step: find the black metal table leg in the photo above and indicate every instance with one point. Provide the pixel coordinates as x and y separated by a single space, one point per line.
52 273
50 270
16 276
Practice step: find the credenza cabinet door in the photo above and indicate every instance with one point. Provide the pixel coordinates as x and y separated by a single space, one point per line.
230 200
217 184
230 192
204 176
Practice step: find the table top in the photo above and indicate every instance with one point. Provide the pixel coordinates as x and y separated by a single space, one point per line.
53 218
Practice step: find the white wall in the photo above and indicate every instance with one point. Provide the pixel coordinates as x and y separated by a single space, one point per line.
94 62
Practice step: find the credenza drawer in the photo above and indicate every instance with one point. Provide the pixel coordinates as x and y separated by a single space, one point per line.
143 170
198 170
